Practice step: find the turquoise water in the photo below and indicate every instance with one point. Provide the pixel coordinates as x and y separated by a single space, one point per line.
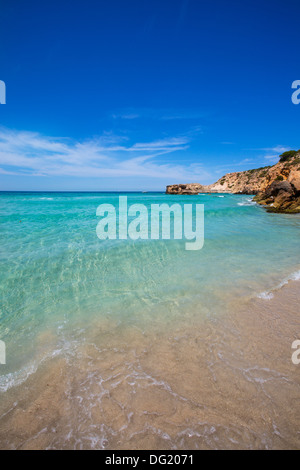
59 280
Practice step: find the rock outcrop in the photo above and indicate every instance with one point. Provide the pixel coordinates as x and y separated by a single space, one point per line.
192 188
277 187
281 196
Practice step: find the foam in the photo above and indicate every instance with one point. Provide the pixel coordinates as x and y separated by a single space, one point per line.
247 202
268 295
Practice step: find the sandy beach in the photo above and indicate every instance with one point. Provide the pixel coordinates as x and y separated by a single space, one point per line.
224 382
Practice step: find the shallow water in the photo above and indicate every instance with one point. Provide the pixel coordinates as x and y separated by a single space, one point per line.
142 343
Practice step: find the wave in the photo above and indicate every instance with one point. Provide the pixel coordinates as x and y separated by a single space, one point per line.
14 379
247 202
66 348
265 295
268 295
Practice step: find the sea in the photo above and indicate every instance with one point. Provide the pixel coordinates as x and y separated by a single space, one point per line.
142 344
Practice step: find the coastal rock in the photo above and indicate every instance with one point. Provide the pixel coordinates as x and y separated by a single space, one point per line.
281 196
257 180
295 182
277 186
192 188
283 188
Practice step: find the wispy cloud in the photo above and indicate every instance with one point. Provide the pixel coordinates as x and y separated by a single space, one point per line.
271 158
125 116
170 144
245 160
159 114
30 153
272 153
172 116
278 149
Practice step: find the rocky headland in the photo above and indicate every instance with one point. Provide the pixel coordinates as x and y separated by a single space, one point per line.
277 187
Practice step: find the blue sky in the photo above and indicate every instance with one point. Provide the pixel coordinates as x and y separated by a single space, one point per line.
134 95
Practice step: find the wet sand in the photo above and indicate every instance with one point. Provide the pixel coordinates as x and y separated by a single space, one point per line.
223 382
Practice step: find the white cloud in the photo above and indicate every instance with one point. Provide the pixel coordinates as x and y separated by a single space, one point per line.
159 114
272 158
30 153
246 160
277 149
126 116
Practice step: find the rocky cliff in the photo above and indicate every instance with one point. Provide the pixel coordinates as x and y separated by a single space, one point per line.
255 181
277 186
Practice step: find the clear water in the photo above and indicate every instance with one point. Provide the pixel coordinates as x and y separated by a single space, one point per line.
58 278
